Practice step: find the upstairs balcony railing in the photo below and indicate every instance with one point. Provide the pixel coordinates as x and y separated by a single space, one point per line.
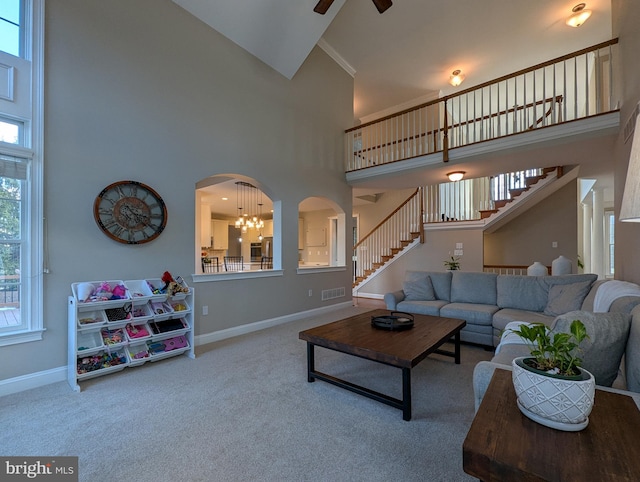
572 87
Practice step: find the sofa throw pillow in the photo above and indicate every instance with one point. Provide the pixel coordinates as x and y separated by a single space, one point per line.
602 353
566 297
419 289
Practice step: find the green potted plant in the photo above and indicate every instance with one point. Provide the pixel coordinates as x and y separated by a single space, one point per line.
551 386
452 264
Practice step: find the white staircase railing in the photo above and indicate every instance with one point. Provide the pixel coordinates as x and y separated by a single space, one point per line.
447 202
389 237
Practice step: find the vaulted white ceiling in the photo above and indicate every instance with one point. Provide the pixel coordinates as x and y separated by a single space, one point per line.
405 55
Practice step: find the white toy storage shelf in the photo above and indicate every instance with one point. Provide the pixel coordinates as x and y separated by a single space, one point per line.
111 335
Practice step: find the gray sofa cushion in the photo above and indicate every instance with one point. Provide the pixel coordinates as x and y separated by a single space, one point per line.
392 299
441 282
476 314
522 292
632 354
504 316
602 352
568 279
469 336
420 289
587 305
473 288
624 304
510 351
421 307
566 297
531 293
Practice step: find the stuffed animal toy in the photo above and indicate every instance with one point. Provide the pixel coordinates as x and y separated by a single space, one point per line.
171 287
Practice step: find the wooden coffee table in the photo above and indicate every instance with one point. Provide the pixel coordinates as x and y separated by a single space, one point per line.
504 445
402 349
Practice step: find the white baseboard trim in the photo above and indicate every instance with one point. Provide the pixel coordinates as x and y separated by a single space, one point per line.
54 375
32 380
373 296
261 325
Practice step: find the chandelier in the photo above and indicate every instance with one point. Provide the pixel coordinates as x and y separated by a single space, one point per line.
249 207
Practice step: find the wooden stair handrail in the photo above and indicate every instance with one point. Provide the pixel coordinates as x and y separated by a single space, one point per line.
557 99
491 82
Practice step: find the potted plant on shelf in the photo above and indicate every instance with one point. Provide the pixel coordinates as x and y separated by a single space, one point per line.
551 387
452 264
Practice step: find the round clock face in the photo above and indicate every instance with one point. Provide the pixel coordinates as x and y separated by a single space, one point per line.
130 212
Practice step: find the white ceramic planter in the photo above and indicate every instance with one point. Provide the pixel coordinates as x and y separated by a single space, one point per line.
561 265
537 269
554 402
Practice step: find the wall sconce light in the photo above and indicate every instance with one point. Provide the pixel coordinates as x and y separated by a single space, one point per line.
579 16
456 77
630 208
455 175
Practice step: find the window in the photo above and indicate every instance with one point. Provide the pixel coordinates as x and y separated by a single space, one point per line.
609 242
11 132
11 33
21 230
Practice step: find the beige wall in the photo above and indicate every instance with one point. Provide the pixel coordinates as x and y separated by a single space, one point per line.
143 90
370 215
439 245
529 237
522 241
626 19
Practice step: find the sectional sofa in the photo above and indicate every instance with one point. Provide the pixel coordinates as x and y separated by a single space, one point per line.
611 354
610 310
488 301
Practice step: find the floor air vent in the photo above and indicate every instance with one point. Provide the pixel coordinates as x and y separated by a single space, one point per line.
333 293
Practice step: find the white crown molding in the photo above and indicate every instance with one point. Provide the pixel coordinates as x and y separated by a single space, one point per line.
322 43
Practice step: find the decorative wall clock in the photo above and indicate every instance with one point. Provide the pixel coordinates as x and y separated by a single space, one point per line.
130 212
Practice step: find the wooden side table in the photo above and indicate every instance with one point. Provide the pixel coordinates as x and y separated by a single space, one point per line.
504 445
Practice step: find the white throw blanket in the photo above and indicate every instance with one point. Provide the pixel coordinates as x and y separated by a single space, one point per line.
612 290
509 337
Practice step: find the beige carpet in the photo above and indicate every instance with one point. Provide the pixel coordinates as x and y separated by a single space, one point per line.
243 411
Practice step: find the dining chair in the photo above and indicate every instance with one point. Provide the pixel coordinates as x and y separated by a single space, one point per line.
266 262
210 264
233 263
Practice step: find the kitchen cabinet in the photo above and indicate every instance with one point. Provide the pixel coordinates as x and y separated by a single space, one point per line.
267 232
220 234
316 237
107 336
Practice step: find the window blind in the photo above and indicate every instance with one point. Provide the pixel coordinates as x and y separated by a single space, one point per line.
13 167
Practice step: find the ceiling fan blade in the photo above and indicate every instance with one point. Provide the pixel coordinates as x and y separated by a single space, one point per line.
322 6
382 5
